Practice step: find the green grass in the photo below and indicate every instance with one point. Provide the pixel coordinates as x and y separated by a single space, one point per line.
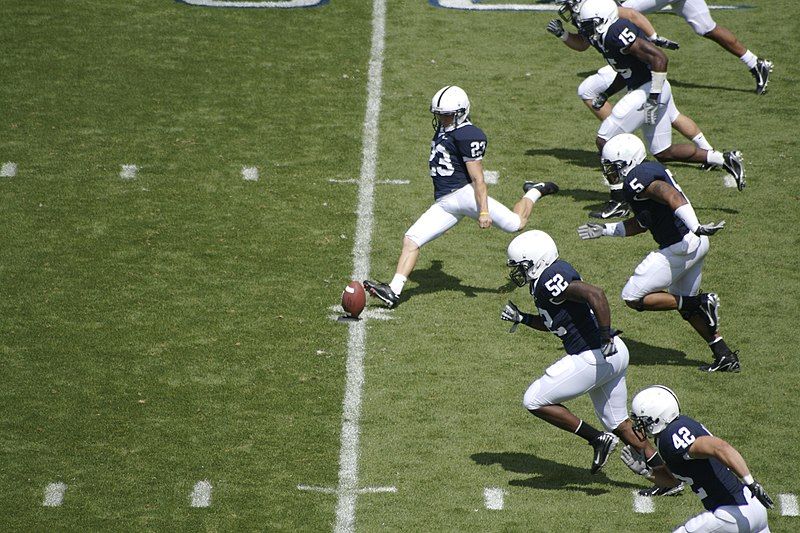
174 328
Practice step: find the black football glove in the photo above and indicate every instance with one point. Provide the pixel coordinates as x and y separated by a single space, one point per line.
709 229
511 313
556 28
663 42
759 492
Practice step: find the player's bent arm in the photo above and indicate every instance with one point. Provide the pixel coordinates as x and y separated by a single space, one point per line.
534 321
708 446
632 227
577 42
664 193
647 52
639 19
579 291
475 169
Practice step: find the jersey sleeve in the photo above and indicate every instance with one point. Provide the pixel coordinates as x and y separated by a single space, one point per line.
638 180
678 439
621 35
472 144
554 280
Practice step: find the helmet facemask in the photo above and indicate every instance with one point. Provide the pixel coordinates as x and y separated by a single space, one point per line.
614 170
642 426
519 272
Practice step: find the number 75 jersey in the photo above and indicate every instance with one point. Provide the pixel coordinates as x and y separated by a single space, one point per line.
573 322
450 151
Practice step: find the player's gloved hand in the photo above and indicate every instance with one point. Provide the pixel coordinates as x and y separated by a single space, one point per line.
663 42
607 346
759 492
511 313
590 231
650 107
709 229
634 459
556 28
599 100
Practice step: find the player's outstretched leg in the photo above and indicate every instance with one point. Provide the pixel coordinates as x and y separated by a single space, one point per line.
761 73
702 312
603 445
544 187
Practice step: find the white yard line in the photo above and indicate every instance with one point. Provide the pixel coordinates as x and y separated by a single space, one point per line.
201 494
382 182
493 498
642 504
54 494
788 503
351 410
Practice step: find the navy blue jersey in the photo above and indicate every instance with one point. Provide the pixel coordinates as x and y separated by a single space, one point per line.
614 48
665 227
573 322
712 481
450 151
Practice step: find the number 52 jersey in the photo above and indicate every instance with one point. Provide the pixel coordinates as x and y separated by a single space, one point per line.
450 151
712 481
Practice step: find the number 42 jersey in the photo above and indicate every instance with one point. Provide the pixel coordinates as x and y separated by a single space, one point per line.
573 322
711 480
450 151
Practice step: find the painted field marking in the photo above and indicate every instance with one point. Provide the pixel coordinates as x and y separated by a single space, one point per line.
493 498
788 503
129 172
381 182
377 313
280 5
334 490
642 504
201 494
9 170
250 173
476 5
54 494
491 176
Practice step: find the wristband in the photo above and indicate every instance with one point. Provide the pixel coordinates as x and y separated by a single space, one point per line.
655 461
653 37
748 479
483 213
614 229
605 333
658 82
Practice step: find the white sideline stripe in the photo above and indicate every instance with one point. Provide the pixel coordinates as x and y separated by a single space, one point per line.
788 504
493 498
54 494
9 170
491 176
351 409
201 494
381 182
473 5
642 504
226 3
332 490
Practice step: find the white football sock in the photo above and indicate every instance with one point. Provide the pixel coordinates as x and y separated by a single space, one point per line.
533 195
700 141
749 59
398 281
715 158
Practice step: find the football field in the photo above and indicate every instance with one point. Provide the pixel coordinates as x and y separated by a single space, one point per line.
187 187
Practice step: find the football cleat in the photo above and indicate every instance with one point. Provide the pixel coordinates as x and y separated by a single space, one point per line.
382 291
761 73
603 445
709 306
612 209
725 363
655 490
544 187
734 164
708 167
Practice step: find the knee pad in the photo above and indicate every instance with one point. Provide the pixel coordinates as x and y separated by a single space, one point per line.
531 400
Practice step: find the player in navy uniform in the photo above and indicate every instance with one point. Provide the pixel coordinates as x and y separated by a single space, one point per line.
459 189
717 473
596 359
648 104
668 278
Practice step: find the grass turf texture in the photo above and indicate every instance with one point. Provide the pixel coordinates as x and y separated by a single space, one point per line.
165 330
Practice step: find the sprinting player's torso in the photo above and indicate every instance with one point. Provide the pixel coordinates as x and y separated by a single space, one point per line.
450 151
573 322
712 481
614 47
666 228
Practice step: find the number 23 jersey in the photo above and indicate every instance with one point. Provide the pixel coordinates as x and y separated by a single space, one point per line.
573 322
712 481
450 151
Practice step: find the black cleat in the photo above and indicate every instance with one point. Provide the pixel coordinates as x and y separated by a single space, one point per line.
655 490
544 187
708 167
734 165
761 73
725 363
612 209
382 291
603 445
709 306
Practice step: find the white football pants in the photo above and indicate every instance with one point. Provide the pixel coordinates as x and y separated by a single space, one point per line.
750 518
451 208
678 269
587 372
695 12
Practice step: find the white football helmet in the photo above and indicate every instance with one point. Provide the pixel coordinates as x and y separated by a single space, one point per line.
620 155
529 254
595 17
450 101
653 409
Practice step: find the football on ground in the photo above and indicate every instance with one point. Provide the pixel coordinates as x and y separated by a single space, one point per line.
354 299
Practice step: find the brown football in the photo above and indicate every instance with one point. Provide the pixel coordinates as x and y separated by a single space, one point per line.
354 299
